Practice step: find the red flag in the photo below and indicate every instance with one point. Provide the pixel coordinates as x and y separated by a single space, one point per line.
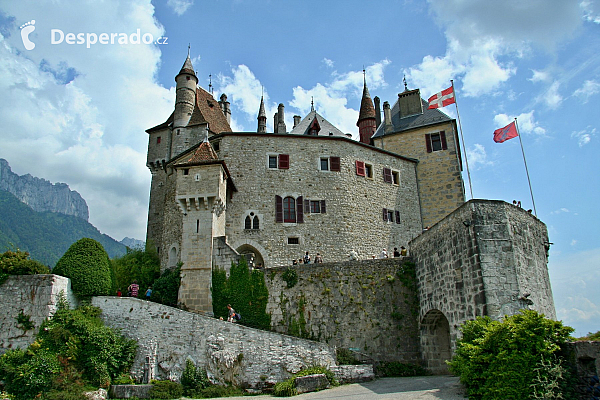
442 99
508 132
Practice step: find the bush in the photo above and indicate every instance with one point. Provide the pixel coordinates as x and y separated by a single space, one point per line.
345 357
512 359
27 374
88 266
288 387
395 368
193 379
18 263
166 390
166 288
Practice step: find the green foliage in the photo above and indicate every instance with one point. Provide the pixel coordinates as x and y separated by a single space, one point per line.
290 276
219 391
245 290
193 379
25 321
88 266
511 359
395 368
18 263
140 265
166 390
81 337
590 336
345 357
407 275
27 374
166 288
288 387
45 235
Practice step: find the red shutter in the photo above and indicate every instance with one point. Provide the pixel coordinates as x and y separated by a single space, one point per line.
387 175
360 168
428 142
299 210
306 206
284 161
278 209
385 214
443 139
397 216
323 210
334 164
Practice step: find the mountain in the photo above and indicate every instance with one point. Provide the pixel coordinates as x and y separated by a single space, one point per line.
41 195
133 243
46 235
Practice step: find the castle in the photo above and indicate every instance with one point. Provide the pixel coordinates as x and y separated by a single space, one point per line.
274 195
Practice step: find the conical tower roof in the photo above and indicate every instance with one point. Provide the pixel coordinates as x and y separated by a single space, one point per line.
367 109
187 68
261 109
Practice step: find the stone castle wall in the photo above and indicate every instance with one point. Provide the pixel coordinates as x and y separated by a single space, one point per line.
35 296
360 305
231 353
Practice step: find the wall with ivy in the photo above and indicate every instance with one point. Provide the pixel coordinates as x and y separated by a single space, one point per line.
369 306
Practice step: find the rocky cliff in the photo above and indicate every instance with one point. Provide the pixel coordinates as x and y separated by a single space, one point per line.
41 195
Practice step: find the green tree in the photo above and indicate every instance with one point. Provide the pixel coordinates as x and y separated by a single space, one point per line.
165 289
512 359
18 263
88 266
142 266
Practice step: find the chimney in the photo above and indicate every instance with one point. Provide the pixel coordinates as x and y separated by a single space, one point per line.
296 120
225 107
387 117
275 123
409 103
377 102
281 121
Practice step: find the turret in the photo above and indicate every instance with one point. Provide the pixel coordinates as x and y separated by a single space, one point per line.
367 122
281 128
225 107
185 94
262 117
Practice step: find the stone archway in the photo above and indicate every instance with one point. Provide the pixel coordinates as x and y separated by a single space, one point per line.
435 341
252 255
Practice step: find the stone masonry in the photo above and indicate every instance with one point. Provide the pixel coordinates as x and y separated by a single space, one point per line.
35 296
231 353
486 258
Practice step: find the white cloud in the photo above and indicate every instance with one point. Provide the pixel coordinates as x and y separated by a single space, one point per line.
560 211
328 62
69 121
179 7
539 76
591 10
551 97
478 156
480 34
588 89
584 137
526 122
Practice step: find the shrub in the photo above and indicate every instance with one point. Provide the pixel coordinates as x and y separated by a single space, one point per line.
288 387
395 368
512 359
18 263
193 379
27 374
87 265
166 390
166 288
345 357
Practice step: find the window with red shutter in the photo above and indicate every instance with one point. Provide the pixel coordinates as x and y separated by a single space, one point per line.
278 209
323 209
360 168
300 210
387 175
443 138
289 209
397 216
306 206
334 163
284 161
385 214
428 142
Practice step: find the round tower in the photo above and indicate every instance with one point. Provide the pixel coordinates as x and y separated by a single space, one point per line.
185 94
367 121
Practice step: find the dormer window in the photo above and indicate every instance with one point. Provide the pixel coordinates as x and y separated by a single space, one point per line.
314 128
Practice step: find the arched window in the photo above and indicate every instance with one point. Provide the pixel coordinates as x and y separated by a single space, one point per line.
289 209
255 223
247 223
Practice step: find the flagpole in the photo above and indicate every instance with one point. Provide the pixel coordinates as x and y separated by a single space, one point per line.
462 138
526 170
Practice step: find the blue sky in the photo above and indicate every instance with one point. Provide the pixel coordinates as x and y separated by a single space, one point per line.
75 114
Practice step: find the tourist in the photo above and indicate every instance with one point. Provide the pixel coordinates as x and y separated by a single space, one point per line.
383 254
353 255
306 258
396 252
133 289
318 259
231 317
403 251
148 292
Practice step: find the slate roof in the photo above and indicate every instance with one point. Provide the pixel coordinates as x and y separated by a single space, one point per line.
187 67
428 117
327 128
367 109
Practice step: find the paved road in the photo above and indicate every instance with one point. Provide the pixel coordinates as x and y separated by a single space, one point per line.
421 388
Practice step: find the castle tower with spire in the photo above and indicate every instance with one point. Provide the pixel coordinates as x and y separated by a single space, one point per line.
262 117
367 120
185 94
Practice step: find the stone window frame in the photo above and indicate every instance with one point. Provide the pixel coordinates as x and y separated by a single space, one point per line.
364 169
391 176
294 238
334 163
391 216
436 141
256 221
282 161
308 206
280 211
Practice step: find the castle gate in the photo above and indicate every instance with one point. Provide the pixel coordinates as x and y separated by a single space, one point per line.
435 341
